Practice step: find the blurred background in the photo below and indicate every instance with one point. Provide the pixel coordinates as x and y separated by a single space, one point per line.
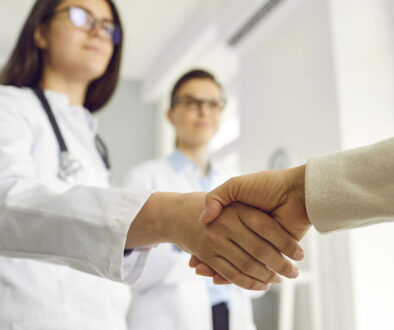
302 78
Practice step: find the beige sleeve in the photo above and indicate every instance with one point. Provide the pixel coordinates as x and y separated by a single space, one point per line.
352 188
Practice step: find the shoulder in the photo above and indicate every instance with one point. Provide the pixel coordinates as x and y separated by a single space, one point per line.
15 94
18 101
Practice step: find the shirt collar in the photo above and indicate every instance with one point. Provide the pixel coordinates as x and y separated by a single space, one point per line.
62 100
179 161
57 98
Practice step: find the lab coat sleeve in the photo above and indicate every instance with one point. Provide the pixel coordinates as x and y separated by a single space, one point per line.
83 227
352 188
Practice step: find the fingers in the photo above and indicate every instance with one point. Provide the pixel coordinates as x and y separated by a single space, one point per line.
194 261
217 279
250 266
270 230
204 270
259 248
231 274
265 253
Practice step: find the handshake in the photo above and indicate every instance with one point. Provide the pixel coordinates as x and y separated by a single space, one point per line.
271 215
239 233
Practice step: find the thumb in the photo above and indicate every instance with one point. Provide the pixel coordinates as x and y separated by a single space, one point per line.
194 261
219 198
212 210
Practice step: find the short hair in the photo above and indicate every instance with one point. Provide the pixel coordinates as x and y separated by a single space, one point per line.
190 75
25 65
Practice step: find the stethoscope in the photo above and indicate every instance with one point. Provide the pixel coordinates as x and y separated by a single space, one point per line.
68 165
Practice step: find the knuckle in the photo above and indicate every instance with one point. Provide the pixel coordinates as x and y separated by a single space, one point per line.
289 247
250 285
285 268
228 274
253 285
268 226
271 277
261 252
247 266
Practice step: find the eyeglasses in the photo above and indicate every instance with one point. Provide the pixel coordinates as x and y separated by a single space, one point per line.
194 103
84 20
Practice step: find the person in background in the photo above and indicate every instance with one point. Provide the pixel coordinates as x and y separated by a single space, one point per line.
168 294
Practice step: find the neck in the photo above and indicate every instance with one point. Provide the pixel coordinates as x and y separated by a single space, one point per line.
74 89
198 154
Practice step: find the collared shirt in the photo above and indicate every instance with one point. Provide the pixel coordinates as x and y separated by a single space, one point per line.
169 292
178 173
181 163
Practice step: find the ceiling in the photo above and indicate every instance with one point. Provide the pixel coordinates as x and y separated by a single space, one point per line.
149 25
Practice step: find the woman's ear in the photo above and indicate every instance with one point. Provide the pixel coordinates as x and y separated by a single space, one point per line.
40 37
170 116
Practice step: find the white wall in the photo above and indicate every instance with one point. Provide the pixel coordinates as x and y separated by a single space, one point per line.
363 33
128 126
286 85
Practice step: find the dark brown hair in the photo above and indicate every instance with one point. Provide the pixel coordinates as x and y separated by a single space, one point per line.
25 66
193 74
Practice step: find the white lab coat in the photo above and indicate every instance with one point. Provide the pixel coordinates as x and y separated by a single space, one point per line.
169 295
41 217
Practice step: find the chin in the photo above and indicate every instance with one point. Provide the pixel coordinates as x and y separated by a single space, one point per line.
96 65
202 141
92 73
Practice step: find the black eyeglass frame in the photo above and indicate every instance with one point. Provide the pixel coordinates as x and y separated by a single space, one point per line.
200 101
115 36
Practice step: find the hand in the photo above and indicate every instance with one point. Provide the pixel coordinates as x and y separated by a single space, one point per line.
279 193
225 245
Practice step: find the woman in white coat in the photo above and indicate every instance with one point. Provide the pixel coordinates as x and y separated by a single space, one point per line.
72 66
168 295
55 201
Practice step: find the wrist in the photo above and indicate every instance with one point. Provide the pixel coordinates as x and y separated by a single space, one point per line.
180 214
297 184
148 227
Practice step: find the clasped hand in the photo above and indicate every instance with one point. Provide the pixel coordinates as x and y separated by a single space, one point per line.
269 223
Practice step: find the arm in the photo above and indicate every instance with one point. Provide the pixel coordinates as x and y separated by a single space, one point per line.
225 245
345 190
82 227
351 188
87 228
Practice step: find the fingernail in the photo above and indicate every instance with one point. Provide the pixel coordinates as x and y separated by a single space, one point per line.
203 213
294 273
299 254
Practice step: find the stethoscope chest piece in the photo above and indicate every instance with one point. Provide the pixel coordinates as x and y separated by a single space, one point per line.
68 167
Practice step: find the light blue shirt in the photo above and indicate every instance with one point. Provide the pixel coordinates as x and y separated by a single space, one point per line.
179 161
